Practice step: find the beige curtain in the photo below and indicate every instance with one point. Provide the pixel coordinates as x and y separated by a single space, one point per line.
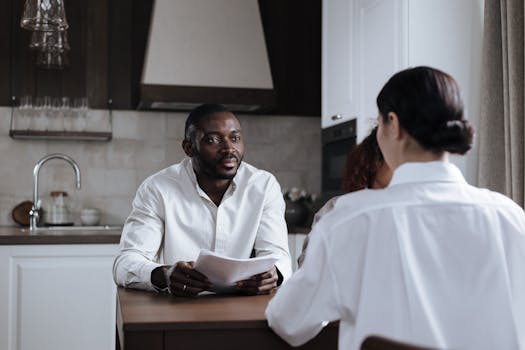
501 132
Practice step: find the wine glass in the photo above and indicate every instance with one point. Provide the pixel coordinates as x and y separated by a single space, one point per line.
80 106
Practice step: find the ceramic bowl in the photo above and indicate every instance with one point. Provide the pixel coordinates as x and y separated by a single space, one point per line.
90 216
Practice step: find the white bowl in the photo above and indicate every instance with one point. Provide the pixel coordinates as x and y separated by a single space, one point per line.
90 216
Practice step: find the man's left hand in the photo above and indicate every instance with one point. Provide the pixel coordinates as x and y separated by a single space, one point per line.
262 283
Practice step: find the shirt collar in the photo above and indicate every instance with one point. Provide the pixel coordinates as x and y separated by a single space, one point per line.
436 171
187 162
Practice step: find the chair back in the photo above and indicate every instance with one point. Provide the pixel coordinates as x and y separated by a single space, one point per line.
375 342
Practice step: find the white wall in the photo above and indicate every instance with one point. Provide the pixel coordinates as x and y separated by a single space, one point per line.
459 53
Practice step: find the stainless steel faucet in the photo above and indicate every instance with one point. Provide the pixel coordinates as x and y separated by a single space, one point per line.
34 213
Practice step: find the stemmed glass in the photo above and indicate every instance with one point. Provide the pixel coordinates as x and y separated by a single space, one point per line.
80 106
65 109
24 113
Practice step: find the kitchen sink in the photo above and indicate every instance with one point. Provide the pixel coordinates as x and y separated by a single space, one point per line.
73 228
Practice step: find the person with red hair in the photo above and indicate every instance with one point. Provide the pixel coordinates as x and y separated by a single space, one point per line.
365 167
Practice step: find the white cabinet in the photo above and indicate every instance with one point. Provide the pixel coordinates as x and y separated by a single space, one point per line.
55 297
338 63
362 46
366 41
381 32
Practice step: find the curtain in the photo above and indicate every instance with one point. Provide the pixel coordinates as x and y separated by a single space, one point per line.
501 134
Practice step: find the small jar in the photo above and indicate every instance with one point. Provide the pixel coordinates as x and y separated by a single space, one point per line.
57 212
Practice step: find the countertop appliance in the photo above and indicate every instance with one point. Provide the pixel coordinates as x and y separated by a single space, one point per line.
337 141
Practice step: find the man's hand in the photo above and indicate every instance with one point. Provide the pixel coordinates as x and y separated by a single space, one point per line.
262 283
181 278
185 281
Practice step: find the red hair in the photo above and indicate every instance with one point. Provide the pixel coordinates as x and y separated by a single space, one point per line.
362 164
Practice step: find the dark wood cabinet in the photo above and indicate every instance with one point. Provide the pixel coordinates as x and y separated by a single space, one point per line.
86 75
293 37
104 60
108 41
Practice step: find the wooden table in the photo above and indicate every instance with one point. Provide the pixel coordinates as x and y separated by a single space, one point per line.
152 321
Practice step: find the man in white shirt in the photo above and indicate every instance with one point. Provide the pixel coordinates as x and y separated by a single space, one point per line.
211 200
429 260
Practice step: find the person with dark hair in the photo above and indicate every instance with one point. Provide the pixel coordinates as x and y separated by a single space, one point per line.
210 200
364 168
429 260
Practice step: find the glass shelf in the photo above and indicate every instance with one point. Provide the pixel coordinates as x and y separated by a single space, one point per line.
60 135
70 124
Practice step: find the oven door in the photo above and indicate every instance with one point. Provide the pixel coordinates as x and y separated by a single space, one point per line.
337 141
334 159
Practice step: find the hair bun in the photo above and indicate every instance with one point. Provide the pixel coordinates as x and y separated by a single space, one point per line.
454 136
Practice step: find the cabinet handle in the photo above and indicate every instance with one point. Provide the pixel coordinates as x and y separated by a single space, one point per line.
337 117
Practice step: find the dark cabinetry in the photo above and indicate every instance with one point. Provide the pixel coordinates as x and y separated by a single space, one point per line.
87 74
108 40
293 36
105 60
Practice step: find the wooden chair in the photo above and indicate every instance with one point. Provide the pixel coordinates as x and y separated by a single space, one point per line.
375 342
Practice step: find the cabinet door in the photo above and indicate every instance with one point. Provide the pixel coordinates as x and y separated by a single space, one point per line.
382 34
57 297
338 98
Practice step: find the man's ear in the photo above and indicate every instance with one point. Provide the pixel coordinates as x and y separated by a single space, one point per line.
187 147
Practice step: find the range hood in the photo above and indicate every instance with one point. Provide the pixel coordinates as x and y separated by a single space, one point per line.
206 51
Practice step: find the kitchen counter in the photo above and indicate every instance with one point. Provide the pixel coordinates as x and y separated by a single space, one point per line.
10 235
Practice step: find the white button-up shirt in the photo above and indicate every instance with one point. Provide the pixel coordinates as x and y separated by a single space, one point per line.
430 260
173 219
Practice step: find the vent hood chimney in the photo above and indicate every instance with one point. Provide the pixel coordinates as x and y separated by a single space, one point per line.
206 51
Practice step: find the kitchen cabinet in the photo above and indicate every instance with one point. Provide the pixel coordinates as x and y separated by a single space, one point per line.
107 39
57 297
292 31
366 41
339 53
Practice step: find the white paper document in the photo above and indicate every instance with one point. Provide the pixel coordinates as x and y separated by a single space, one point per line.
223 271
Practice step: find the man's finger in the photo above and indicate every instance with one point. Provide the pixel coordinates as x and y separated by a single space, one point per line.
187 269
187 279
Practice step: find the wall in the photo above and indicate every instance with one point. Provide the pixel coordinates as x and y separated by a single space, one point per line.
455 48
143 143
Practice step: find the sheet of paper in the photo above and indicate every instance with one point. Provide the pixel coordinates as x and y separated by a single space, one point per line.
223 271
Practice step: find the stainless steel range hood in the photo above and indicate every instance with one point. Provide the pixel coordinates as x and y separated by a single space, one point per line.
206 51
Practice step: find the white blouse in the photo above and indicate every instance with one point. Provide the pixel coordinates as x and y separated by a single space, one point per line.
430 260
173 218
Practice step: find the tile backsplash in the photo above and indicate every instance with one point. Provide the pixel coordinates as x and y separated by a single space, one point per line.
143 143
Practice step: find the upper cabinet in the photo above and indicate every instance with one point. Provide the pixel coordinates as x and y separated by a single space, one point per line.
88 22
108 40
366 41
339 50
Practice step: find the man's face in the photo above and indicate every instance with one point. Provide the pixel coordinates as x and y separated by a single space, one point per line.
218 148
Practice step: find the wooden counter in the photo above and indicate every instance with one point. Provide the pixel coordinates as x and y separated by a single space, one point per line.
17 235
147 320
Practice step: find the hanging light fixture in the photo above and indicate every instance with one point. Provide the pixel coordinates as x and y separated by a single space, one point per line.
52 59
44 15
47 21
49 41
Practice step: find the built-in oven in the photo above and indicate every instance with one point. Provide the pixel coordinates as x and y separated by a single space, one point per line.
336 141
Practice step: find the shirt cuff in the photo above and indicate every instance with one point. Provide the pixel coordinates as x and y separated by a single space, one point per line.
145 275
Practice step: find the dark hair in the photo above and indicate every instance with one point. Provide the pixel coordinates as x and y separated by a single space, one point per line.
428 104
362 164
197 114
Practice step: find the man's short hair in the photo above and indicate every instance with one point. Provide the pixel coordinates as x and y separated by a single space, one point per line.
197 114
